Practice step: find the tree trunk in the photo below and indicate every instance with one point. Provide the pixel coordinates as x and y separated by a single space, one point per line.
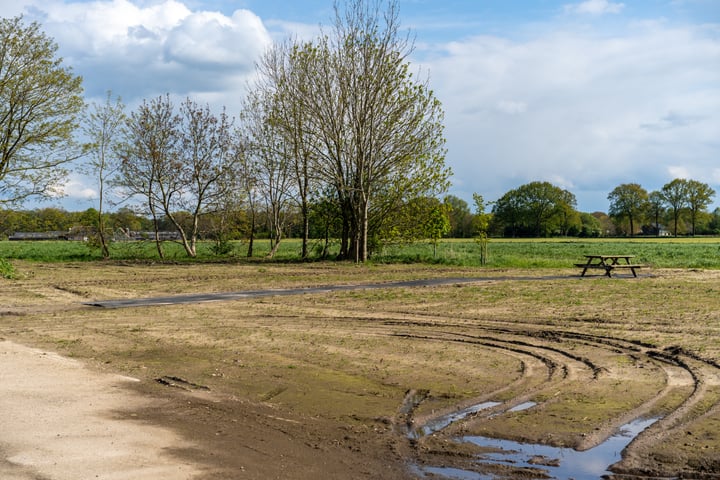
252 234
306 229
101 224
278 237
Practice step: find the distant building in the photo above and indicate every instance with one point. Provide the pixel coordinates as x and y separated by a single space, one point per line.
26 236
81 235
122 235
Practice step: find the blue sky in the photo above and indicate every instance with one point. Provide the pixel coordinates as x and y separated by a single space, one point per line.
586 94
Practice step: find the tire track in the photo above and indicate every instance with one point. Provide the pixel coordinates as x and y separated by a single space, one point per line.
552 349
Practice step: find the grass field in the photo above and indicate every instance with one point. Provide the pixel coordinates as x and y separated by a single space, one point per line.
352 374
503 253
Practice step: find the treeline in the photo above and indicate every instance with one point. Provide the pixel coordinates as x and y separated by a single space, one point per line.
536 209
540 209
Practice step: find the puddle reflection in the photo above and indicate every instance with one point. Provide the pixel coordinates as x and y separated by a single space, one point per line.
561 463
442 422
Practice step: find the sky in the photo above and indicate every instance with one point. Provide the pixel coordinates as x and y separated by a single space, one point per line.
585 94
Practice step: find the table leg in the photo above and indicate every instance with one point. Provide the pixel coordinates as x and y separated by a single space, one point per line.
586 267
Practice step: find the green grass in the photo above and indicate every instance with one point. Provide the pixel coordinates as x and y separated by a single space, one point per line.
562 253
503 253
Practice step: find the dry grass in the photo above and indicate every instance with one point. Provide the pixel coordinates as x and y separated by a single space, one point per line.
351 356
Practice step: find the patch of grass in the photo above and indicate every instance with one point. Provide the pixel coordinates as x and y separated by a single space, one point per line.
503 253
7 270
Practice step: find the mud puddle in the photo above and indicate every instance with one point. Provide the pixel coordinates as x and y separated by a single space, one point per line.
446 420
547 461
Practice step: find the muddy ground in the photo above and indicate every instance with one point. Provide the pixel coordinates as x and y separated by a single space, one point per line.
337 384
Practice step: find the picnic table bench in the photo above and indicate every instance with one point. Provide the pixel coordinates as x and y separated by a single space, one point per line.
608 263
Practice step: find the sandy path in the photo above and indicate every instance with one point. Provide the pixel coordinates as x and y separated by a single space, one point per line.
59 420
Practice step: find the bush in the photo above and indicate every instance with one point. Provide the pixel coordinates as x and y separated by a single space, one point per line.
7 270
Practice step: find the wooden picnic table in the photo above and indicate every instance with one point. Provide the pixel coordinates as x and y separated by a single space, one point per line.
608 263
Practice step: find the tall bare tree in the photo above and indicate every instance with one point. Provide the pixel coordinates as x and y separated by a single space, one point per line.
150 167
354 117
207 166
270 155
40 100
284 73
182 163
103 125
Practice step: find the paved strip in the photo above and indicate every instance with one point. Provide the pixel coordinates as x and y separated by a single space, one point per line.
220 297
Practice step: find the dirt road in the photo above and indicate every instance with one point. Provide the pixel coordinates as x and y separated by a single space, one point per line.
60 420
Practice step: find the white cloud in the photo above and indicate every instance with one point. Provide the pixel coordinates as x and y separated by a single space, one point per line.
594 7
207 39
677 171
143 51
596 110
77 189
511 107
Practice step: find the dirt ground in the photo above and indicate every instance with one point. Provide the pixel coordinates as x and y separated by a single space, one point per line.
341 384
61 420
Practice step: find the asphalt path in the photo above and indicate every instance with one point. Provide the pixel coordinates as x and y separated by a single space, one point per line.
221 297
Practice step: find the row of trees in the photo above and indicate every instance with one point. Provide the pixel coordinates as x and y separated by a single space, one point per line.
339 123
678 201
419 219
542 209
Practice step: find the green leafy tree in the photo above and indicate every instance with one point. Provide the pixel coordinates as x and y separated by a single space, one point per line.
675 195
591 226
508 213
437 224
481 225
536 208
40 100
699 196
628 201
714 225
568 217
461 218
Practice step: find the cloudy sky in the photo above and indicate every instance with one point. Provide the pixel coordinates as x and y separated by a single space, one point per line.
584 94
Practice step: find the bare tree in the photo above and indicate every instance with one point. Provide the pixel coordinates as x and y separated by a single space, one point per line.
206 163
270 155
284 77
149 165
181 163
349 114
103 126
